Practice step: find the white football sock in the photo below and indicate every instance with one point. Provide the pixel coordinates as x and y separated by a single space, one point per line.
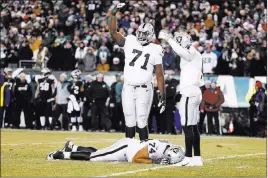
50 120
73 120
67 155
79 119
42 121
74 148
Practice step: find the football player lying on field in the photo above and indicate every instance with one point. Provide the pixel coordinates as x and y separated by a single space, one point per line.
124 150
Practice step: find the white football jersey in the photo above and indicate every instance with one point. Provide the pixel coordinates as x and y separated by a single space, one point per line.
156 148
209 62
191 69
140 61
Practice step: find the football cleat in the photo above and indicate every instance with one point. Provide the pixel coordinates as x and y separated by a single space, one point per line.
68 147
197 161
55 155
187 161
74 129
80 128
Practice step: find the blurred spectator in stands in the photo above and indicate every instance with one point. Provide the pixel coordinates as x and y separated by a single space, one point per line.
61 38
203 113
256 64
99 96
41 56
3 55
103 52
119 53
4 98
116 66
103 66
12 56
125 22
212 99
210 61
25 52
89 61
68 57
49 34
169 59
227 25
80 53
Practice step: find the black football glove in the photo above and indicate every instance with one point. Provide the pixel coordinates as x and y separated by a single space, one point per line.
162 102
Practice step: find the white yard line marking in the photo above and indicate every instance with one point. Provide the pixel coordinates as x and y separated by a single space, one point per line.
241 167
168 166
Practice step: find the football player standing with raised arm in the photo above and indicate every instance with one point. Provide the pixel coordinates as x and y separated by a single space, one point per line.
190 93
142 56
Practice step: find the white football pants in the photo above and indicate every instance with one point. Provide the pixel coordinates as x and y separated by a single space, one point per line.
189 109
116 152
137 103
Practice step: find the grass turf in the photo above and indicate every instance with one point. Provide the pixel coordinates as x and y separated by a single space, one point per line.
23 153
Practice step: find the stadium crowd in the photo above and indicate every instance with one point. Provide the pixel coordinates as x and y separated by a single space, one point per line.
68 34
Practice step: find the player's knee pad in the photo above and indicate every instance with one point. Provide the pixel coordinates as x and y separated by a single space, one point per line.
142 122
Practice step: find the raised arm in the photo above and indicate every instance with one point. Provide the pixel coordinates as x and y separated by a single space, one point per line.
184 53
119 39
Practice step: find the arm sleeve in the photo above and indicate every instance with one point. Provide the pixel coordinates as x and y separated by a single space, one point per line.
182 52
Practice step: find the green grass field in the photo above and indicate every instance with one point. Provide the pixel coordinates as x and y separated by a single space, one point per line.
23 153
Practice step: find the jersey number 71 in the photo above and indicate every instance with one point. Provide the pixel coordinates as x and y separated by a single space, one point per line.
144 66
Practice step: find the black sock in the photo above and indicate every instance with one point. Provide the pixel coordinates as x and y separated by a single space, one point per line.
143 133
130 132
86 149
189 138
80 156
196 144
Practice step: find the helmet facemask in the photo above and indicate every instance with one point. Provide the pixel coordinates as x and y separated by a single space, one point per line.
174 154
145 33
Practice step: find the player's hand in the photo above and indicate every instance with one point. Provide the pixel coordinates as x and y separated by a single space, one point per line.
111 105
165 161
162 102
117 7
164 35
202 111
